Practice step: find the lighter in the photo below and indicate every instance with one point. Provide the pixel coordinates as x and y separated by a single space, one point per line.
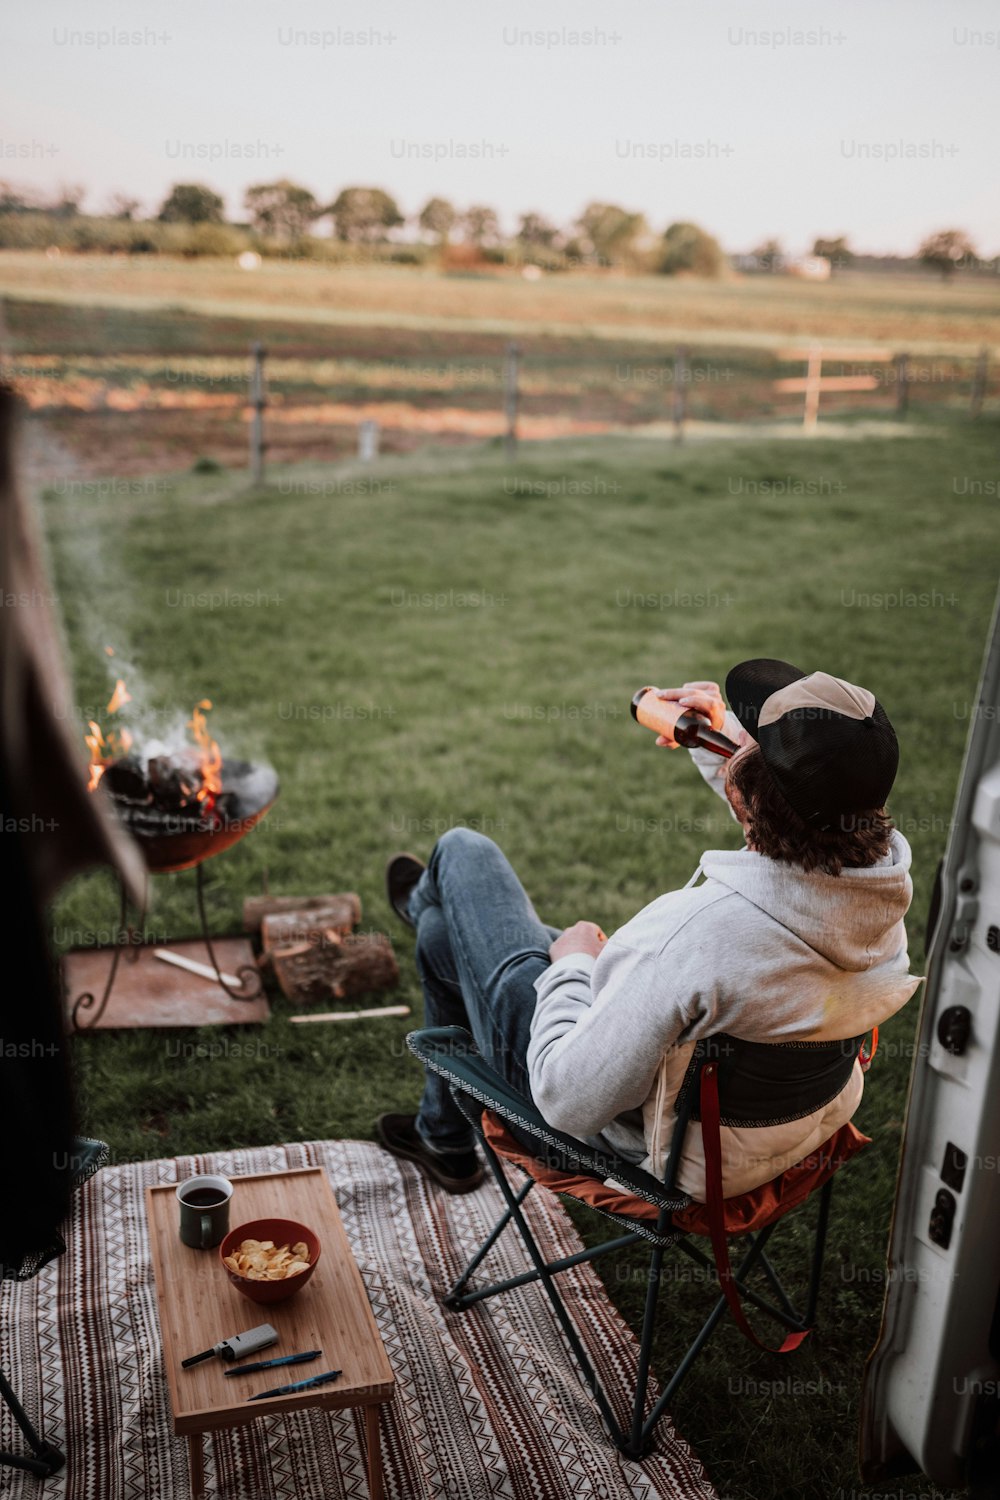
237 1346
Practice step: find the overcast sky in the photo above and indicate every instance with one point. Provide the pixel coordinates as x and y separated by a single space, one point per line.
874 118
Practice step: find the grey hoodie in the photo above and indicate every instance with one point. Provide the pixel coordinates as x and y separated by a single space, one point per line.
759 950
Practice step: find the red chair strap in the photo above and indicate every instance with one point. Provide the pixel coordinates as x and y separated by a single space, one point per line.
865 1058
712 1144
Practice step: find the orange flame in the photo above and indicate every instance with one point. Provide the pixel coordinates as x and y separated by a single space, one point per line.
119 697
98 762
210 764
118 742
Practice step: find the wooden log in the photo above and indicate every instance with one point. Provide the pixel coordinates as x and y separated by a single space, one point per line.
331 965
284 929
345 909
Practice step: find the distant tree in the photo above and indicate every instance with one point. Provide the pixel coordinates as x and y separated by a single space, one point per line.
122 206
945 249
480 226
364 215
769 255
281 210
12 201
612 231
535 230
191 203
836 251
66 204
687 247
437 217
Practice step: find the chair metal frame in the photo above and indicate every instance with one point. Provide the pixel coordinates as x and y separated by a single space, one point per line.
43 1458
451 1052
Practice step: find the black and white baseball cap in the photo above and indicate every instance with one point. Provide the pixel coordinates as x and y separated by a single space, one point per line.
828 745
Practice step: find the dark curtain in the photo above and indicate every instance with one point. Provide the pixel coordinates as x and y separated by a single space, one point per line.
52 828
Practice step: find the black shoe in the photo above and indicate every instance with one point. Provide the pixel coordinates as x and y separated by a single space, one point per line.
455 1171
401 874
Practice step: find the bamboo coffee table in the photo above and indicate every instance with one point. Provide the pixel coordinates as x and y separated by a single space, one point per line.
198 1306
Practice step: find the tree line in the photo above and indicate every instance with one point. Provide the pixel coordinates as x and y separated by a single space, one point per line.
603 235
283 215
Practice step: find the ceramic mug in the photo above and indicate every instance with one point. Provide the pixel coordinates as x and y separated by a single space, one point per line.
204 1204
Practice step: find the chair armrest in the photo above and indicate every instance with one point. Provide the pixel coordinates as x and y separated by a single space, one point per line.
452 1052
88 1157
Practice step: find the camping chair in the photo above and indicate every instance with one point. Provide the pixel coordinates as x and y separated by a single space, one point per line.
45 1459
645 1207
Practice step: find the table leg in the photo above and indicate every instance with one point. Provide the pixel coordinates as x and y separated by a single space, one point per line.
197 1465
375 1489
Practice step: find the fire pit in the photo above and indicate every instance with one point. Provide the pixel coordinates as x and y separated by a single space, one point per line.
182 803
177 830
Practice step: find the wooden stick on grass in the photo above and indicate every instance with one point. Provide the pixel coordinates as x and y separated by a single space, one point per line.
352 1015
202 970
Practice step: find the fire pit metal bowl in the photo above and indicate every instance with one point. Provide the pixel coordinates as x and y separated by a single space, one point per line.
181 838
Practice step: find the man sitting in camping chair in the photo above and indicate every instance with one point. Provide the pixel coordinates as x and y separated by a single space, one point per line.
796 941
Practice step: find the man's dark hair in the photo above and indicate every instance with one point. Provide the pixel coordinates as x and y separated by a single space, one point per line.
775 828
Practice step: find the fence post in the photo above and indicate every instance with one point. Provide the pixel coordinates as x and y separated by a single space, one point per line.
680 391
258 401
368 433
511 397
814 375
902 384
979 382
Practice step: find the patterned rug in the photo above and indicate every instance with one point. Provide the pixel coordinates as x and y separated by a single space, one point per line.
488 1402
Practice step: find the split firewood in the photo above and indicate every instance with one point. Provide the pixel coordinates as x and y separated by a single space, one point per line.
285 929
329 964
343 909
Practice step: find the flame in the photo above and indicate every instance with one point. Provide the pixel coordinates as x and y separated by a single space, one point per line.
210 764
118 742
104 749
95 743
119 697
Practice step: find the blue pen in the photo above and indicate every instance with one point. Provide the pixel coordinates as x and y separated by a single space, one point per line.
270 1364
300 1385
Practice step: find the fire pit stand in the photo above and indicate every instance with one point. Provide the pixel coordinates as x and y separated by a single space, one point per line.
87 1010
172 842
88 1001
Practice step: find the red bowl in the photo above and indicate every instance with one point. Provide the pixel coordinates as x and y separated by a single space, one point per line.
282 1232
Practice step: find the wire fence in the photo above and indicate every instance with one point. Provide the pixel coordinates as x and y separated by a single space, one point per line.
331 397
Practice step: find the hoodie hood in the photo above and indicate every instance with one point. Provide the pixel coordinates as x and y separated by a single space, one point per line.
853 920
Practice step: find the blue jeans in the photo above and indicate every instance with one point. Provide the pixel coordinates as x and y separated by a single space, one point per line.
480 948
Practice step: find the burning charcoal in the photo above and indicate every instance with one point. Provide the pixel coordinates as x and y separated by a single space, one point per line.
175 781
126 777
225 806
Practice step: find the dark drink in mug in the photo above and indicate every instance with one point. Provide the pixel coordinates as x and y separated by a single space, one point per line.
204 1211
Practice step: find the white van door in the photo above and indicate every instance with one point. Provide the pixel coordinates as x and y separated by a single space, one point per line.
931 1398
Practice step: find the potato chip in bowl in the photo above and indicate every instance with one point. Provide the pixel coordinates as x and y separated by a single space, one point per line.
270 1259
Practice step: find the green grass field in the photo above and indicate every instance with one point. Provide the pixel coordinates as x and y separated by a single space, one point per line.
454 639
